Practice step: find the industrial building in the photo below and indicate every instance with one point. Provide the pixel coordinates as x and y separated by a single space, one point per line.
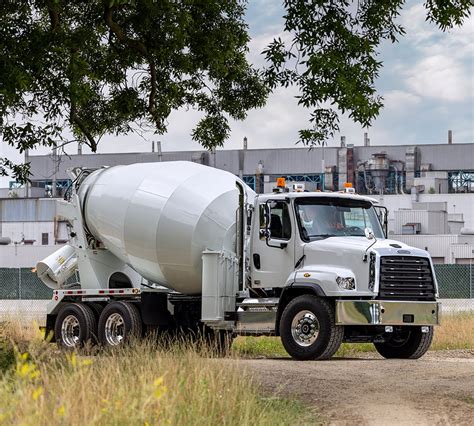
428 189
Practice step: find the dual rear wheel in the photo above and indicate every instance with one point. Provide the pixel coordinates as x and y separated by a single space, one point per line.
80 324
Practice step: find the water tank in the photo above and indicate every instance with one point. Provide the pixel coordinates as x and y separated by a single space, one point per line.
159 217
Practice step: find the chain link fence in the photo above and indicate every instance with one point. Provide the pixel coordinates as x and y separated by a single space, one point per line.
23 293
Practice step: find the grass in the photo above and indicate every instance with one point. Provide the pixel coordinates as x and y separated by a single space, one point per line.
455 332
144 384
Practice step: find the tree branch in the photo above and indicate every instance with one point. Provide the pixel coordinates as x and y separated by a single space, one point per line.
83 127
136 45
53 15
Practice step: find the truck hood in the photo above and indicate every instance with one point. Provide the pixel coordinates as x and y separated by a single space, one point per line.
339 247
327 259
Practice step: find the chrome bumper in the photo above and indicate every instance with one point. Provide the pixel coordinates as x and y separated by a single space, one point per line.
386 312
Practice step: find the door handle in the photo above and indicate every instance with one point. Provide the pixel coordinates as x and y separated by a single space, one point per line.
256 260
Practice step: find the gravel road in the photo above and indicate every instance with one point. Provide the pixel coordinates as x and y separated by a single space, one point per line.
437 389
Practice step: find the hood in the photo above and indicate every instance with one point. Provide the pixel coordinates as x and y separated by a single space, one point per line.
327 259
342 246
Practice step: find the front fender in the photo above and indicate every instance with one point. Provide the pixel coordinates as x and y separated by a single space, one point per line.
324 277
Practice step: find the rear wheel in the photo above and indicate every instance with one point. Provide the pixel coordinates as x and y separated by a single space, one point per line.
308 329
406 342
75 326
118 323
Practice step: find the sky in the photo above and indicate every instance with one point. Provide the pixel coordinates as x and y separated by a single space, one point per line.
427 82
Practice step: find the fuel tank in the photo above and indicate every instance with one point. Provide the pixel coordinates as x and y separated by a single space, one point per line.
159 217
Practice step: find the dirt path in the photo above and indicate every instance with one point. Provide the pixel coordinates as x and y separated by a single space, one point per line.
436 390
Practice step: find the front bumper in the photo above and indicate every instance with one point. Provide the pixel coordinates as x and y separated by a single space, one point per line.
386 312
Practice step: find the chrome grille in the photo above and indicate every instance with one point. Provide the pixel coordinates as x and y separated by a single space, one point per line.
406 278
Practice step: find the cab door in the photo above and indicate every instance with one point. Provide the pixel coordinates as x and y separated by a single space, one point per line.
272 262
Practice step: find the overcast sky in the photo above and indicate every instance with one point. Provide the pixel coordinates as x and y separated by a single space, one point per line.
427 82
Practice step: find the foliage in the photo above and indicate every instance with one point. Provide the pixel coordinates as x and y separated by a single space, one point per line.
116 66
330 54
121 66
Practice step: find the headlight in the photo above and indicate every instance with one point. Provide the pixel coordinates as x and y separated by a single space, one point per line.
346 283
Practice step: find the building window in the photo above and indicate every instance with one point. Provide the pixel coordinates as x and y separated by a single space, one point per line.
44 238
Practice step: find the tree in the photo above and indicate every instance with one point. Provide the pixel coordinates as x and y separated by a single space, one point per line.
332 55
119 66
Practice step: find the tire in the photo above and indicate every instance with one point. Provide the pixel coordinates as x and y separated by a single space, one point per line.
75 326
406 343
118 323
307 311
97 309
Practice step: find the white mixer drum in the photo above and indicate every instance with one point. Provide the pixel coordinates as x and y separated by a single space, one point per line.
159 217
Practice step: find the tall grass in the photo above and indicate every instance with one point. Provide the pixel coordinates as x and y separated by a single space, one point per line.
141 384
455 332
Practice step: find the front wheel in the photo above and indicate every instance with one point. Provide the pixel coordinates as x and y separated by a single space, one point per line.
406 342
308 329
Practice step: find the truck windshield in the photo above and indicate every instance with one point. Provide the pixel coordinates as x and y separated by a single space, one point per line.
333 217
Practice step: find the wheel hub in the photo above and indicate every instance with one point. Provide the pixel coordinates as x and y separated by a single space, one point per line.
305 328
114 329
71 331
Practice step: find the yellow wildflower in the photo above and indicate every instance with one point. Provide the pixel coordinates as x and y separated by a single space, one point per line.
159 388
37 393
73 359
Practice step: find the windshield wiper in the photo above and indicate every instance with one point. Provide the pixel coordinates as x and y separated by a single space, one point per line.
322 235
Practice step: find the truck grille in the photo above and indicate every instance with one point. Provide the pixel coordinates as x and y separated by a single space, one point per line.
406 278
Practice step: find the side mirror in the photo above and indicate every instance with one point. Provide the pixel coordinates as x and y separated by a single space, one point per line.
382 214
369 233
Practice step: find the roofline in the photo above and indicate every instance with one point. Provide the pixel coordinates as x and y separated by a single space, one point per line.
259 149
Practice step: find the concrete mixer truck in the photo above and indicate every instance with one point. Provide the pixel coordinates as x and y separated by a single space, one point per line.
180 246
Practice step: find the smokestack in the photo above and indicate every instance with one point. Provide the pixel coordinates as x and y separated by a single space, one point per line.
79 148
343 141
245 142
213 154
450 137
153 147
158 146
366 139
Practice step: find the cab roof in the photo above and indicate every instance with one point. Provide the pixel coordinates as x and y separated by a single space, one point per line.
342 195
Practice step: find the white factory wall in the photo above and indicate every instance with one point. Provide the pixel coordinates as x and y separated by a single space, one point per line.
17 231
432 222
442 248
456 203
20 256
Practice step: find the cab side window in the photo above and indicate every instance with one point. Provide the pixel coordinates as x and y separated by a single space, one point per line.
280 224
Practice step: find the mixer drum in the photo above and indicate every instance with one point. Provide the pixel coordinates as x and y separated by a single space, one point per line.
159 217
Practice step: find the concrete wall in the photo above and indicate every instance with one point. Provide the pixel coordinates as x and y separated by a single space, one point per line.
455 203
443 248
20 256
432 222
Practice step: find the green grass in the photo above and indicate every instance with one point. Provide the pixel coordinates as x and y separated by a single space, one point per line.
271 347
455 332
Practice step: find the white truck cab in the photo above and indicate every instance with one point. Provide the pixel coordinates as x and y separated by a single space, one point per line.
314 268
